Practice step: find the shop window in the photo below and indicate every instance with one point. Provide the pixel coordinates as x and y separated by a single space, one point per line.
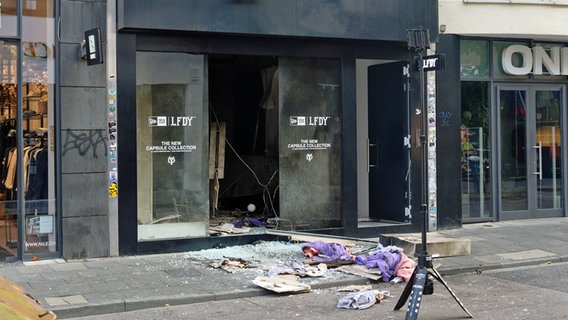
37 128
27 129
475 149
172 130
474 59
9 18
310 144
8 144
225 140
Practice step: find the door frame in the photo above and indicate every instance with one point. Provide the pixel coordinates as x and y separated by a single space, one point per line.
388 155
532 210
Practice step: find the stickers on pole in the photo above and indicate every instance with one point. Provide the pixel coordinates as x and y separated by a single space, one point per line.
112 137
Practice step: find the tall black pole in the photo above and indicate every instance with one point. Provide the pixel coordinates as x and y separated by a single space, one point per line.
418 39
420 284
424 259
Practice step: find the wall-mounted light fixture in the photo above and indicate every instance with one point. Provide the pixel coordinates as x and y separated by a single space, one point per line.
91 47
418 39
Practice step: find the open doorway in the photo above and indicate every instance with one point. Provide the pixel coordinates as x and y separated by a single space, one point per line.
280 118
383 135
244 116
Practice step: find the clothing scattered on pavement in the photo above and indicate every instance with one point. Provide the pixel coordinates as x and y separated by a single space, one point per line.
362 299
327 251
390 261
298 268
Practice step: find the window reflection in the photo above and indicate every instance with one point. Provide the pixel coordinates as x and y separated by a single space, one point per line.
171 146
37 105
475 151
25 129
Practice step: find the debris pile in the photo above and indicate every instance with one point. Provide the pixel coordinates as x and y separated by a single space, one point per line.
231 265
285 264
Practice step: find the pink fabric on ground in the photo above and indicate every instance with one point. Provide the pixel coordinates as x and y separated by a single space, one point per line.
405 267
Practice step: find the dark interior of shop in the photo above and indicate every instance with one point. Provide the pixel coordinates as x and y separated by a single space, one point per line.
240 96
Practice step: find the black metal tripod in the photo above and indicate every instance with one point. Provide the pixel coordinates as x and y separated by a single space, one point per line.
420 284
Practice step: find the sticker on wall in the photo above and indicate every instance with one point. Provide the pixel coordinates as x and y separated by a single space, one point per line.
431 151
112 137
39 224
113 190
432 122
113 183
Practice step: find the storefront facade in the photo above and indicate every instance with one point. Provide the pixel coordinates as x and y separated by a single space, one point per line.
263 116
513 106
304 115
513 124
28 208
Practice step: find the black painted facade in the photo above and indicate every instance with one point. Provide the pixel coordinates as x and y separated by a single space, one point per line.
343 31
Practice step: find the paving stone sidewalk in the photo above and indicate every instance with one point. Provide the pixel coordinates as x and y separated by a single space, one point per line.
95 286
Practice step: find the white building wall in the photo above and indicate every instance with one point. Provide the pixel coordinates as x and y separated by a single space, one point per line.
534 19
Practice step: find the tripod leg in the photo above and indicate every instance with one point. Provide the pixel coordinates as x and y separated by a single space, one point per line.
438 277
406 292
416 294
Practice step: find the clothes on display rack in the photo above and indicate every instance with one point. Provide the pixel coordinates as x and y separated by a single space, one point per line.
34 166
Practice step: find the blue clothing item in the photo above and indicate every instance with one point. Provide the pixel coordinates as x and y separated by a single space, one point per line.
329 251
359 300
289 267
385 261
250 222
381 248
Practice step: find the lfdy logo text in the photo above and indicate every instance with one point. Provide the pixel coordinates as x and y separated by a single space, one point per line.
164 121
308 121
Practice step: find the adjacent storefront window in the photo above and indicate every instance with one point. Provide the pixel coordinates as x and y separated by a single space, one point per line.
475 133
9 18
27 190
528 84
474 58
476 150
8 146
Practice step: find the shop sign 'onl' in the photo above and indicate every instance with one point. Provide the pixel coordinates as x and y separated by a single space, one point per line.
534 59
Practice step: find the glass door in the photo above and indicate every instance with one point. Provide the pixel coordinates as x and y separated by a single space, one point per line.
546 149
530 151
